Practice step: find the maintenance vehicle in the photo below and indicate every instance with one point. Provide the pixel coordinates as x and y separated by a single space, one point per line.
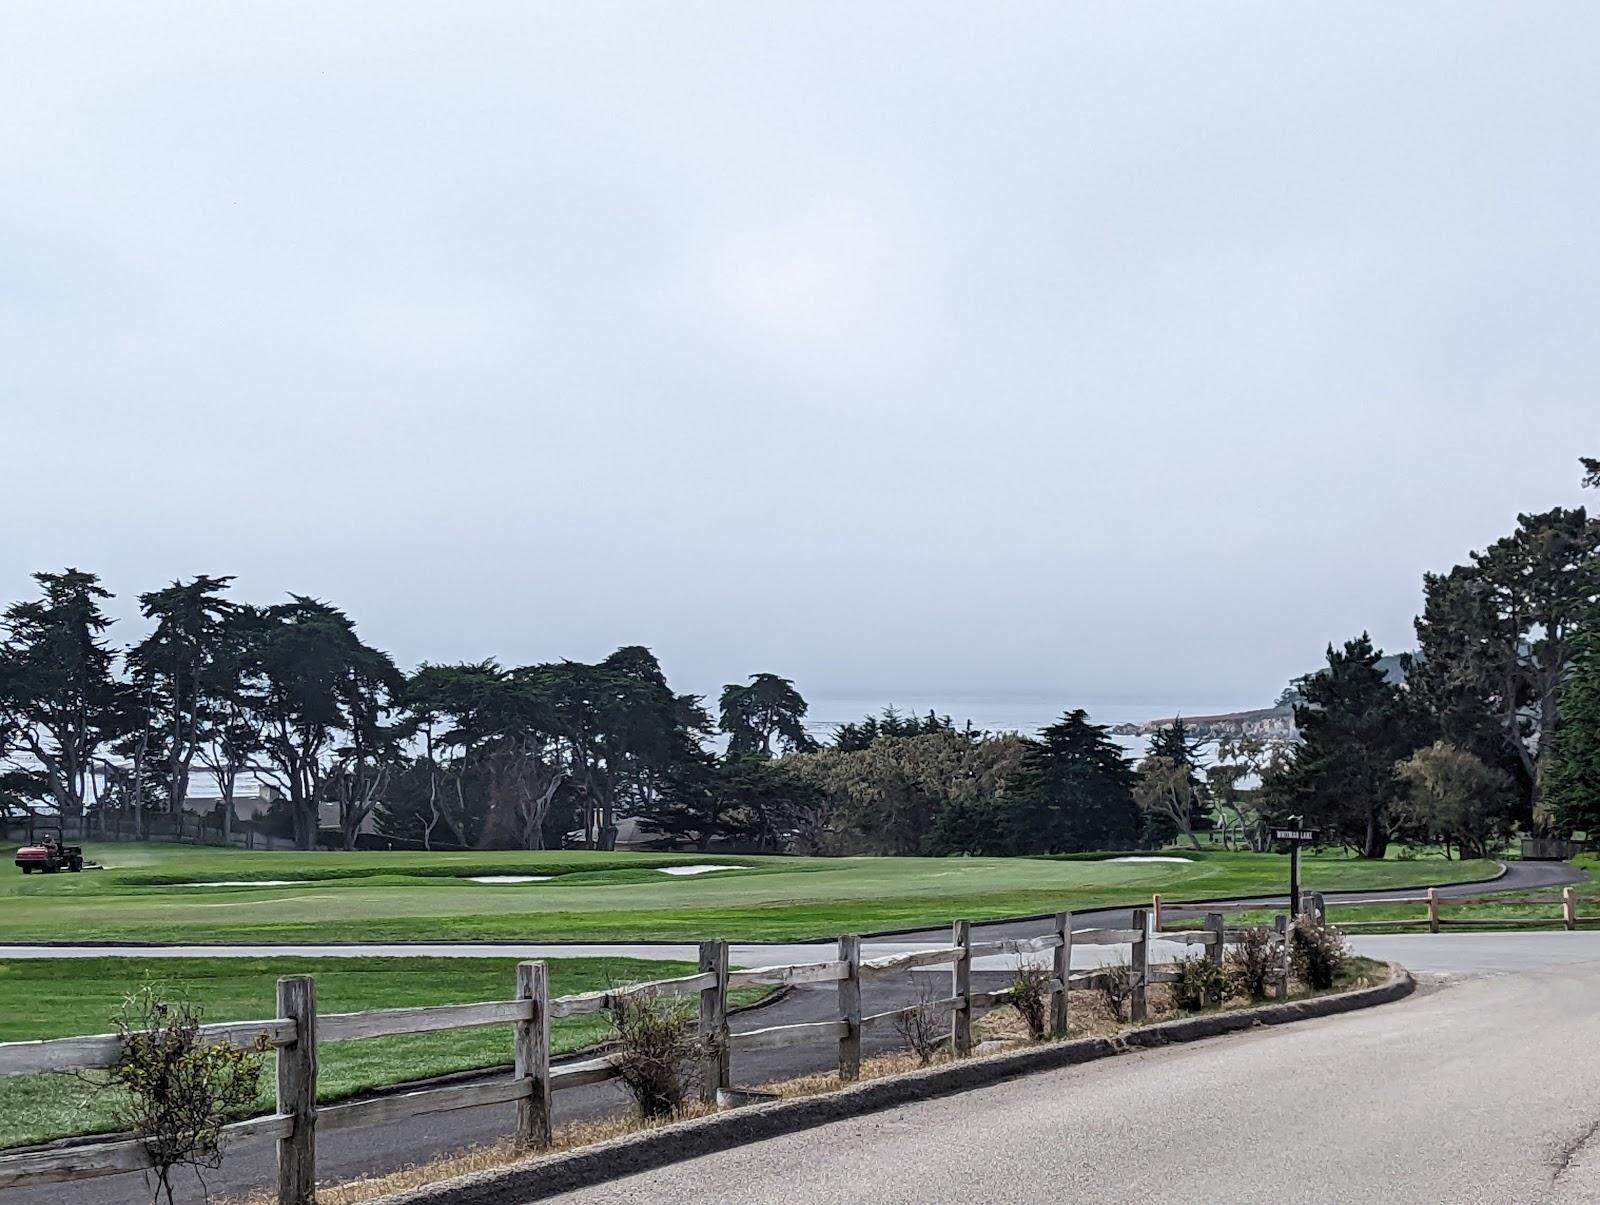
49 855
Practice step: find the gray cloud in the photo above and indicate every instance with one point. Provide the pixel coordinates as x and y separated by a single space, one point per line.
898 348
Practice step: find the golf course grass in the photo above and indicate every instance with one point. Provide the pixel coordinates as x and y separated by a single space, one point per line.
61 997
145 893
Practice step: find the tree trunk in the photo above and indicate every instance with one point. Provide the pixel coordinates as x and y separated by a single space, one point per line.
1376 843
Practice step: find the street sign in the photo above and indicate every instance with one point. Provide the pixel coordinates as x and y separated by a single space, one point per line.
1295 834
1294 838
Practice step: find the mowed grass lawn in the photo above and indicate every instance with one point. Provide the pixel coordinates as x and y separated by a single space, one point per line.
143 894
61 997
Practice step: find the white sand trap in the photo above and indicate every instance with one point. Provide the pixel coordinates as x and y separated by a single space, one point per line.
1151 858
692 869
247 883
510 878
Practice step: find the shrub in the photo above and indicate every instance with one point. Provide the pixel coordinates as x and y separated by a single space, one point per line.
1251 962
1030 994
1200 982
657 1048
176 1090
1115 983
1318 952
925 1025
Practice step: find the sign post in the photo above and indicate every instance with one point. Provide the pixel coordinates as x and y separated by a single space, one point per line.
1294 838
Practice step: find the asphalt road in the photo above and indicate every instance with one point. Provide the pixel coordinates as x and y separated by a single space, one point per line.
1477 1089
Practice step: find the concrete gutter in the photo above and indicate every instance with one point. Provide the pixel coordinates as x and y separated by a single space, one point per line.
541 1178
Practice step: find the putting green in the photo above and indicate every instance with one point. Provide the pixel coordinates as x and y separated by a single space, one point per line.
147 893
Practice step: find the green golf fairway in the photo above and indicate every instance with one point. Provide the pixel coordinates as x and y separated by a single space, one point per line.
141 896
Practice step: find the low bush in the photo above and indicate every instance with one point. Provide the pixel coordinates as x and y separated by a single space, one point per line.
1115 983
1029 994
925 1026
1201 983
1319 953
657 1049
175 1090
1251 963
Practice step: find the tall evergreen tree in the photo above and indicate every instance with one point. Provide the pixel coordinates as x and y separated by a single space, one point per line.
1074 791
1497 639
171 671
1572 783
320 682
57 689
230 682
1172 789
764 717
1355 727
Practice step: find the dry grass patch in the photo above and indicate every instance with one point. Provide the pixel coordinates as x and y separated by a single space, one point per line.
488 1156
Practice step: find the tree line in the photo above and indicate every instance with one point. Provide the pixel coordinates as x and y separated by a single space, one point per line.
482 755
475 755
1492 725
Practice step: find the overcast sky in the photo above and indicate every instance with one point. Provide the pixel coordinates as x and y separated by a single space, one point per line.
1085 350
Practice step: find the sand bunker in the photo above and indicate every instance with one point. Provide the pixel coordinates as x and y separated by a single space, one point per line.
247 883
692 869
1151 858
510 878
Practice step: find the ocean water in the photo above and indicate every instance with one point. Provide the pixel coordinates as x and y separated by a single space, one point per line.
1024 713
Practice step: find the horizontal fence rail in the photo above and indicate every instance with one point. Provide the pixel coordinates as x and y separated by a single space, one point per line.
297 1032
92 1160
103 1050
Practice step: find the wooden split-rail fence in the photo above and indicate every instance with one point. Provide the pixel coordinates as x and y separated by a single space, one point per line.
298 1030
1562 912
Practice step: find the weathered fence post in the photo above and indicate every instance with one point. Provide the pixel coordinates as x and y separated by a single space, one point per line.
1569 909
1281 924
1061 971
1155 912
532 1054
297 1092
1317 907
1214 947
1433 910
961 988
714 1021
1139 971
850 1008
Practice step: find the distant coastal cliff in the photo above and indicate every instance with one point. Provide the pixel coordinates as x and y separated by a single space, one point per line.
1271 722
